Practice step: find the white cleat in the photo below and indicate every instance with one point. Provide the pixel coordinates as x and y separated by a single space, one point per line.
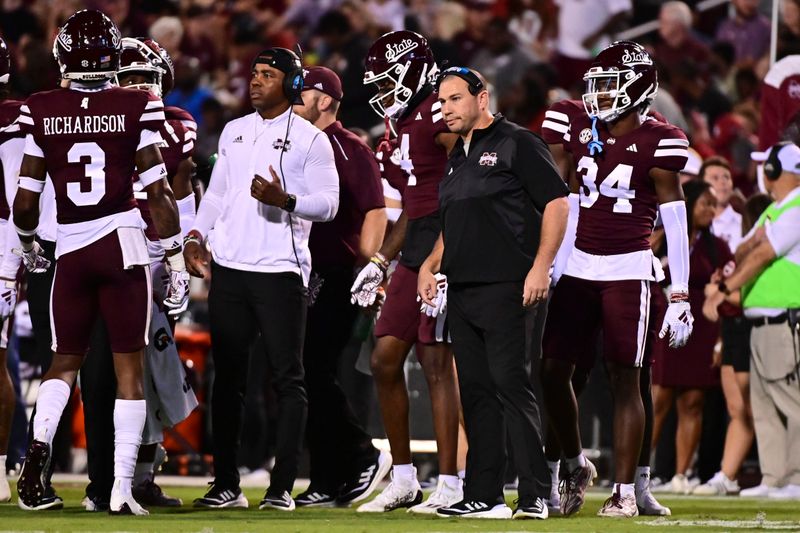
5 490
759 491
787 492
396 495
124 504
719 485
649 506
444 496
618 506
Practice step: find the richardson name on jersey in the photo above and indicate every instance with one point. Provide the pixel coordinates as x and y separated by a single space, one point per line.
86 124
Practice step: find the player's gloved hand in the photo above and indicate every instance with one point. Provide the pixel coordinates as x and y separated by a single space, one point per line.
32 257
678 322
8 297
177 292
439 300
365 288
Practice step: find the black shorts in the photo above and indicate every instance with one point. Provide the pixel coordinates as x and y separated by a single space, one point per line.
421 235
735 333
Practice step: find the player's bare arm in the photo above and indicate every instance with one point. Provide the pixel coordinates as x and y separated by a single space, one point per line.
554 224
565 165
26 202
668 185
397 236
373 230
160 197
182 183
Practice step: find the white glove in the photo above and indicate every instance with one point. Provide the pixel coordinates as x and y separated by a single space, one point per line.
439 300
365 288
8 298
32 259
678 322
177 292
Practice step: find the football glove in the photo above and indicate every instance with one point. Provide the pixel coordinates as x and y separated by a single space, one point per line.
439 300
8 298
678 323
177 292
365 288
33 259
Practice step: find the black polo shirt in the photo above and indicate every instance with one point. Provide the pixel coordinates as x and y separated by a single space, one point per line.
491 203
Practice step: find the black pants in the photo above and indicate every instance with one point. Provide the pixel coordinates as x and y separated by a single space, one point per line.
38 294
487 323
241 305
338 446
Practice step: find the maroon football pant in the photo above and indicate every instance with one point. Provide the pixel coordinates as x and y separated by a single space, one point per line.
91 282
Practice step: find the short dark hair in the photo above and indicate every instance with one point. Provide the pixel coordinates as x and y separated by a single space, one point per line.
713 161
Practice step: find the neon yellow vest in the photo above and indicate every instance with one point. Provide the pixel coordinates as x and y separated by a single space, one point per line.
778 286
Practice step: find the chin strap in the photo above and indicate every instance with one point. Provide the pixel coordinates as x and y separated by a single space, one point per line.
595 145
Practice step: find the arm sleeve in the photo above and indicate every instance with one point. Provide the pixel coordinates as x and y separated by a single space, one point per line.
533 164
211 204
9 264
321 177
784 233
673 215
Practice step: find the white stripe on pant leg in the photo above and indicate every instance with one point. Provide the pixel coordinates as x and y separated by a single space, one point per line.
54 343
149 304
644 319
4 332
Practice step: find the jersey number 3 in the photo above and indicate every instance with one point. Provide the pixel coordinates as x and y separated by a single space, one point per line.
616 185
94 169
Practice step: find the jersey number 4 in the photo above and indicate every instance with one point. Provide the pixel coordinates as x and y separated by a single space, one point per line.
94 169
616 185
405 159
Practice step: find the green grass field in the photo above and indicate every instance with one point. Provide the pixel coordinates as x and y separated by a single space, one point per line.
689 514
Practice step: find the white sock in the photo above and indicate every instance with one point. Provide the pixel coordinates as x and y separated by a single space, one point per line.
404 473
462 473
450 481
3 466
576 462
642 479
129 417
625 489
143 472
554 467
52 399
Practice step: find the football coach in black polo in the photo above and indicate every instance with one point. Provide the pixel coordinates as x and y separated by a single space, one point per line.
504 211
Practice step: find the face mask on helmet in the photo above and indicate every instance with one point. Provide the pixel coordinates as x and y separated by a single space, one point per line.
622 79
138 58
393 92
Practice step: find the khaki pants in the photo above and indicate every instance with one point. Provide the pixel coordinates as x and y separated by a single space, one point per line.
776 403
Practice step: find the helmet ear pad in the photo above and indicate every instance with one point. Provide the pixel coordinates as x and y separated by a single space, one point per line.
772 166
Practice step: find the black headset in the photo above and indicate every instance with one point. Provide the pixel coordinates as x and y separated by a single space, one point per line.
772 166
474 83
290 64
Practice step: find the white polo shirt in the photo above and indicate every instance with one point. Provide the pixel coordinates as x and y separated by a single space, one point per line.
728 227
246 234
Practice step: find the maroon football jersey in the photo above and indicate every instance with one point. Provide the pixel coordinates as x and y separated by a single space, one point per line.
388 156
420 157
176 147
9 111
617 195
89 140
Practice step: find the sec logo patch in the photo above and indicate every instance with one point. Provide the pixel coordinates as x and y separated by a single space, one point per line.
585 135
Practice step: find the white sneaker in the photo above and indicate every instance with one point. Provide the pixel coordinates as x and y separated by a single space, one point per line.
618 506
122 503
759 491
788 492
649 506
396 495
5 490
679 484
719 485
444 496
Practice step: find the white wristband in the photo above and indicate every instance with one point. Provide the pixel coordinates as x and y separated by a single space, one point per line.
170 243
153 174
176 262
31 184
25 232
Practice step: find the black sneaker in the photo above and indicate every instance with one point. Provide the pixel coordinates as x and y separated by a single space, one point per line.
34 492
221 498
315 498
531 507
150 494
277 500
476 509
367 481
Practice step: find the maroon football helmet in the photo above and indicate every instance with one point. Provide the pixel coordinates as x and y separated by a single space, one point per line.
400 63
622 74
5 62
88 47
147 57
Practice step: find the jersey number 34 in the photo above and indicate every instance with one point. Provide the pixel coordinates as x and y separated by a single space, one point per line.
616 185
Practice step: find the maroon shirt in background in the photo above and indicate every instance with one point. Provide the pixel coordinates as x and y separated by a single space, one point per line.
336 243
421 159
780 100
610 226
177 146
9 111
107 153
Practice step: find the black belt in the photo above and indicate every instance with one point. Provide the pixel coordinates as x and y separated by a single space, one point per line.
764 320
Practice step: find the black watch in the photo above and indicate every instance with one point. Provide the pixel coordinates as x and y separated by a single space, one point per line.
290 203
723 288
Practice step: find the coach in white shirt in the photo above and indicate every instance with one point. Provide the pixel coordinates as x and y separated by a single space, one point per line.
275 175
